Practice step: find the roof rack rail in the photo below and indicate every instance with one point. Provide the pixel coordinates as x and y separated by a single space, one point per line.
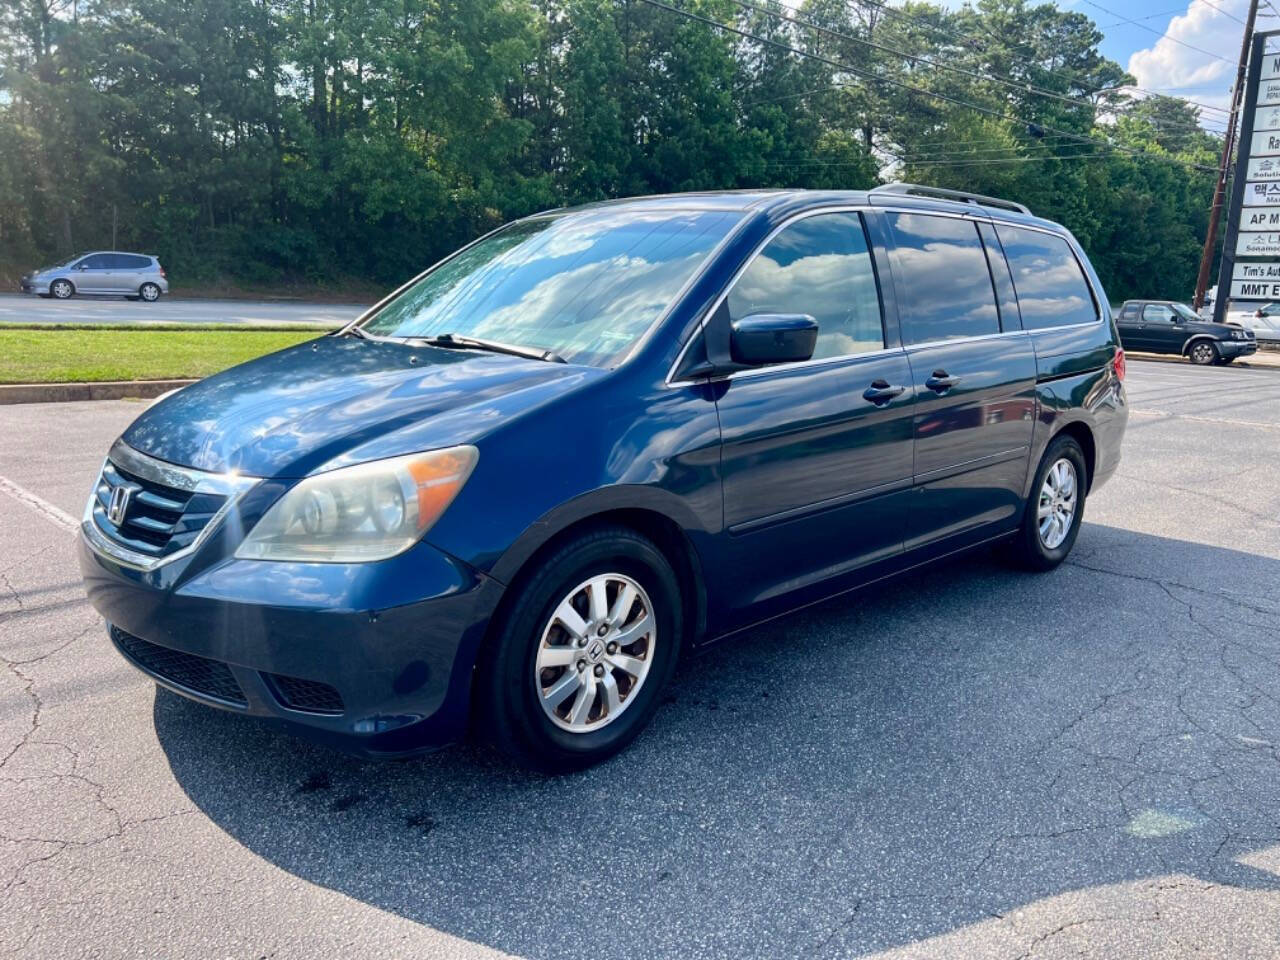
960 195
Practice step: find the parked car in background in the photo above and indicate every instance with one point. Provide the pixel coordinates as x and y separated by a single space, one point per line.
518 489
135 276
1263 320
1164 326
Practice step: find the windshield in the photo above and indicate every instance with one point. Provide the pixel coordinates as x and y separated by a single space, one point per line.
1185 312
582 285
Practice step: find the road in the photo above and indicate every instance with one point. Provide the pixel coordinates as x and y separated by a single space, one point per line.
17 308
970 762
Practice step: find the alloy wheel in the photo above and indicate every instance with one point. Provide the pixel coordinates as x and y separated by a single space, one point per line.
1202 353
595 653
61 289
1057 506
150 292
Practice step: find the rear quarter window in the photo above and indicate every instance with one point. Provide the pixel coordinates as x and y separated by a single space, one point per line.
1051 288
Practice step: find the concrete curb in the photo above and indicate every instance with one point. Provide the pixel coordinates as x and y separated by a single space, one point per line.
105 390
1262 360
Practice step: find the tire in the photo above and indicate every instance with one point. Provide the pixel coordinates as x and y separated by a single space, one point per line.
512 684
1203 353
1032 549
149 292
62 289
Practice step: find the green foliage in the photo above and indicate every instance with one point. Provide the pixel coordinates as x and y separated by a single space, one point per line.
263 141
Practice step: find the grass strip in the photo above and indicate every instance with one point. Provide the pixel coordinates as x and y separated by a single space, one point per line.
87 355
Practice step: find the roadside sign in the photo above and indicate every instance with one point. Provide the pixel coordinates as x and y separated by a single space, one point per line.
1267 118
1253 215
1265 143
1268 92
1270 67
1257 245
1263 168
1255 290
1262 194
1259 221
1257 271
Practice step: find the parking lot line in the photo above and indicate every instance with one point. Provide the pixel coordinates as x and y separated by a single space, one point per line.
44 507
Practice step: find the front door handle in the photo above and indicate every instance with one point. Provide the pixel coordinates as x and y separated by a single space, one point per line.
880 392
940 382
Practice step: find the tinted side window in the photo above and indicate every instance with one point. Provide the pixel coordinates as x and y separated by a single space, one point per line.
819 266
1129 311
1157 313
946 284
99 261
1052 291
131 261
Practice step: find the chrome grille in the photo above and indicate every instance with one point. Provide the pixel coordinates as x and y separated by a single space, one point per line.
155 520
144 512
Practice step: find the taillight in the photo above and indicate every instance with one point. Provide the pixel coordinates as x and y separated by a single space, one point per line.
162 273
1118 363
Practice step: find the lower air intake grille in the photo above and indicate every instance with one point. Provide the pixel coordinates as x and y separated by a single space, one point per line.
307 695
210 678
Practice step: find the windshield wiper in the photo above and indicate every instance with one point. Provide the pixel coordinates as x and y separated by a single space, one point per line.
357 332
454 342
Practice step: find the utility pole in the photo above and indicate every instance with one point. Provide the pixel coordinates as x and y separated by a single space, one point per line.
1224 165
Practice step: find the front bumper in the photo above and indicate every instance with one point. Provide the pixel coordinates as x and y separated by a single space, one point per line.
375 659
1237 348
32 285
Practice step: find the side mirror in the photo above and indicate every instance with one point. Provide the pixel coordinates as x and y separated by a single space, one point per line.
773 338
82 266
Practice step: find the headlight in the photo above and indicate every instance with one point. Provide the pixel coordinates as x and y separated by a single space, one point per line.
1237 334
367 512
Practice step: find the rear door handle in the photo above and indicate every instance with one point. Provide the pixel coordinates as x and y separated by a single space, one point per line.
880 392
940 382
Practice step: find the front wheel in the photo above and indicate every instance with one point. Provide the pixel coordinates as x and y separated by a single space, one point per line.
149 292
61 289
1203 353
577 667
1051 521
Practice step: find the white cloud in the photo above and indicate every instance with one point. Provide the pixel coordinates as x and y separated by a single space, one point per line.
1170 66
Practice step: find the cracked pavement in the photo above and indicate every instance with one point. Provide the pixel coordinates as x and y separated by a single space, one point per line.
967 762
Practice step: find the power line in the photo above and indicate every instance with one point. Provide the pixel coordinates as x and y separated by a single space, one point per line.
1073 78
728 28
1008 82
1158 33
1225 13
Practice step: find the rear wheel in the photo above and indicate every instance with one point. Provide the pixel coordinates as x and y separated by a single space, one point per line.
149 292
1055 508
1203 353
61 289
578 666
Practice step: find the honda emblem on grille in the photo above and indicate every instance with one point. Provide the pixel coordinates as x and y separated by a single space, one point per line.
119 505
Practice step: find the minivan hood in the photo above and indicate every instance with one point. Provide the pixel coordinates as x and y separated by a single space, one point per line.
346 400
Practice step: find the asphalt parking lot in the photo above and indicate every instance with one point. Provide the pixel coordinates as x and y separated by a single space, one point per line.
971 762
117 311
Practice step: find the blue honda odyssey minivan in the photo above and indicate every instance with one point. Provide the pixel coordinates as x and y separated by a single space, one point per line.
512 494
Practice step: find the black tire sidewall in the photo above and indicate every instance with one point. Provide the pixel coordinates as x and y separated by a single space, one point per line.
513 717
55 285
1035 554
